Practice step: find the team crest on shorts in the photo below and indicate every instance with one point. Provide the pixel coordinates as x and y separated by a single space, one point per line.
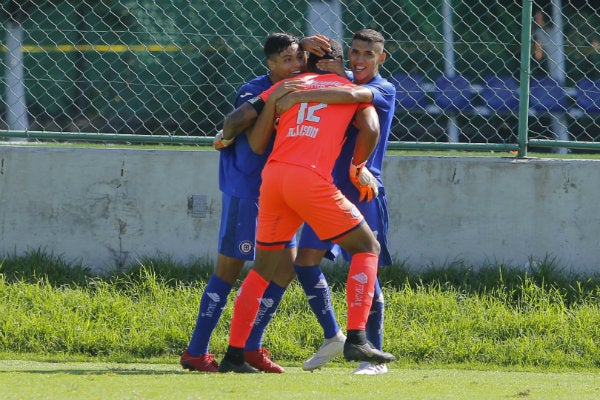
246 247
354 212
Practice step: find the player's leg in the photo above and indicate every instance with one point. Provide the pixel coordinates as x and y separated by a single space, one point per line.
374 331
255 354
271 242
236 245
311 252
364 249
245 309
376 215
335 218
214 298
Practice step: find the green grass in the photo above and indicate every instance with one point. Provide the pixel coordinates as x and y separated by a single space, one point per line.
106 381
494 331
493 315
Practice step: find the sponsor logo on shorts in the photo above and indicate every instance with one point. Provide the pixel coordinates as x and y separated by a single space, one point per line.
246 247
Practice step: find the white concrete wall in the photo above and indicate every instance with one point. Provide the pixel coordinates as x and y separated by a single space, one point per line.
108 207
490 210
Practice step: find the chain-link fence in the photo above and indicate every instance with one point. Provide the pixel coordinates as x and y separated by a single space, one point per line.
172 67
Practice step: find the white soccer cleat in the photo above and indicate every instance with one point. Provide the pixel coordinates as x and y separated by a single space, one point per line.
331 348
366 368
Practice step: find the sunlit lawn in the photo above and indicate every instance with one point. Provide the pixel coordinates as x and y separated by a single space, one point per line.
94 380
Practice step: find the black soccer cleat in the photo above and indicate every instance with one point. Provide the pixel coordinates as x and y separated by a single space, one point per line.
366 352
244 368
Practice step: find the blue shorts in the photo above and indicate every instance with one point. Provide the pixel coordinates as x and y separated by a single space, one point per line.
237 234
376 215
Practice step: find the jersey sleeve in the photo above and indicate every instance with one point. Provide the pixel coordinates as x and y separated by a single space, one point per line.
245 93
265 94
383 95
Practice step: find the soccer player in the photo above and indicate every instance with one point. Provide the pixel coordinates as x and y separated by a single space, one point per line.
366 53
297 187
239 182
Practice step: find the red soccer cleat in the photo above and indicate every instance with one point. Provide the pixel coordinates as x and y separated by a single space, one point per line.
203 363
260 360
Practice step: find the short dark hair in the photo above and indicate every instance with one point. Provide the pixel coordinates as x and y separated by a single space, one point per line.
336 52
277 42
369 35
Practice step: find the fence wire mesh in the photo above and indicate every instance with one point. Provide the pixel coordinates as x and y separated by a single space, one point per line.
172 67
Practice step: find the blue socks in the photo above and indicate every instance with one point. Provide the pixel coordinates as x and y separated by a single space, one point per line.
317 291
212 303
374 325
268 305
214 300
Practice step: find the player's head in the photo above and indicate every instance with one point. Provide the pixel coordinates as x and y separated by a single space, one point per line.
365 54
313 59
285 58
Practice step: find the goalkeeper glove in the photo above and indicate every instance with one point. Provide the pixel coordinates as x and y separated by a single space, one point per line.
219 143
365 182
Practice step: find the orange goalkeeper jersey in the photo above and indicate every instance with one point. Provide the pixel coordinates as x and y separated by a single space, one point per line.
311 134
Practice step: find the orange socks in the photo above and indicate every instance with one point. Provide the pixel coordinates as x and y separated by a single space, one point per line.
359 296
246 307
360 288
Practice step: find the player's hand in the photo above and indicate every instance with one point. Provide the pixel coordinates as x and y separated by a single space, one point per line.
364 181
317 44
286 86
219 143
285 103
332 65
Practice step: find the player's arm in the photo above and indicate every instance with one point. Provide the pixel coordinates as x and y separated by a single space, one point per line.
367 123
331 95
260 133
238 120
234 124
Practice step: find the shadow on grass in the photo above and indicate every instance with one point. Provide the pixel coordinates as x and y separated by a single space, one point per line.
83 371
48 367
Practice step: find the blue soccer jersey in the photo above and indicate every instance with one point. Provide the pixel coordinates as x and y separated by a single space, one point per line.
384 100
239 181
375 211
239 166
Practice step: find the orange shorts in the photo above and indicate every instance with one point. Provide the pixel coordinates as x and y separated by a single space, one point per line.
291 195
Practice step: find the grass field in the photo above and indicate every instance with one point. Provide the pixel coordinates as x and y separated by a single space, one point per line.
107 381
494 332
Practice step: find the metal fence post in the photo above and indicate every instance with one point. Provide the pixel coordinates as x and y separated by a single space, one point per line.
524 77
